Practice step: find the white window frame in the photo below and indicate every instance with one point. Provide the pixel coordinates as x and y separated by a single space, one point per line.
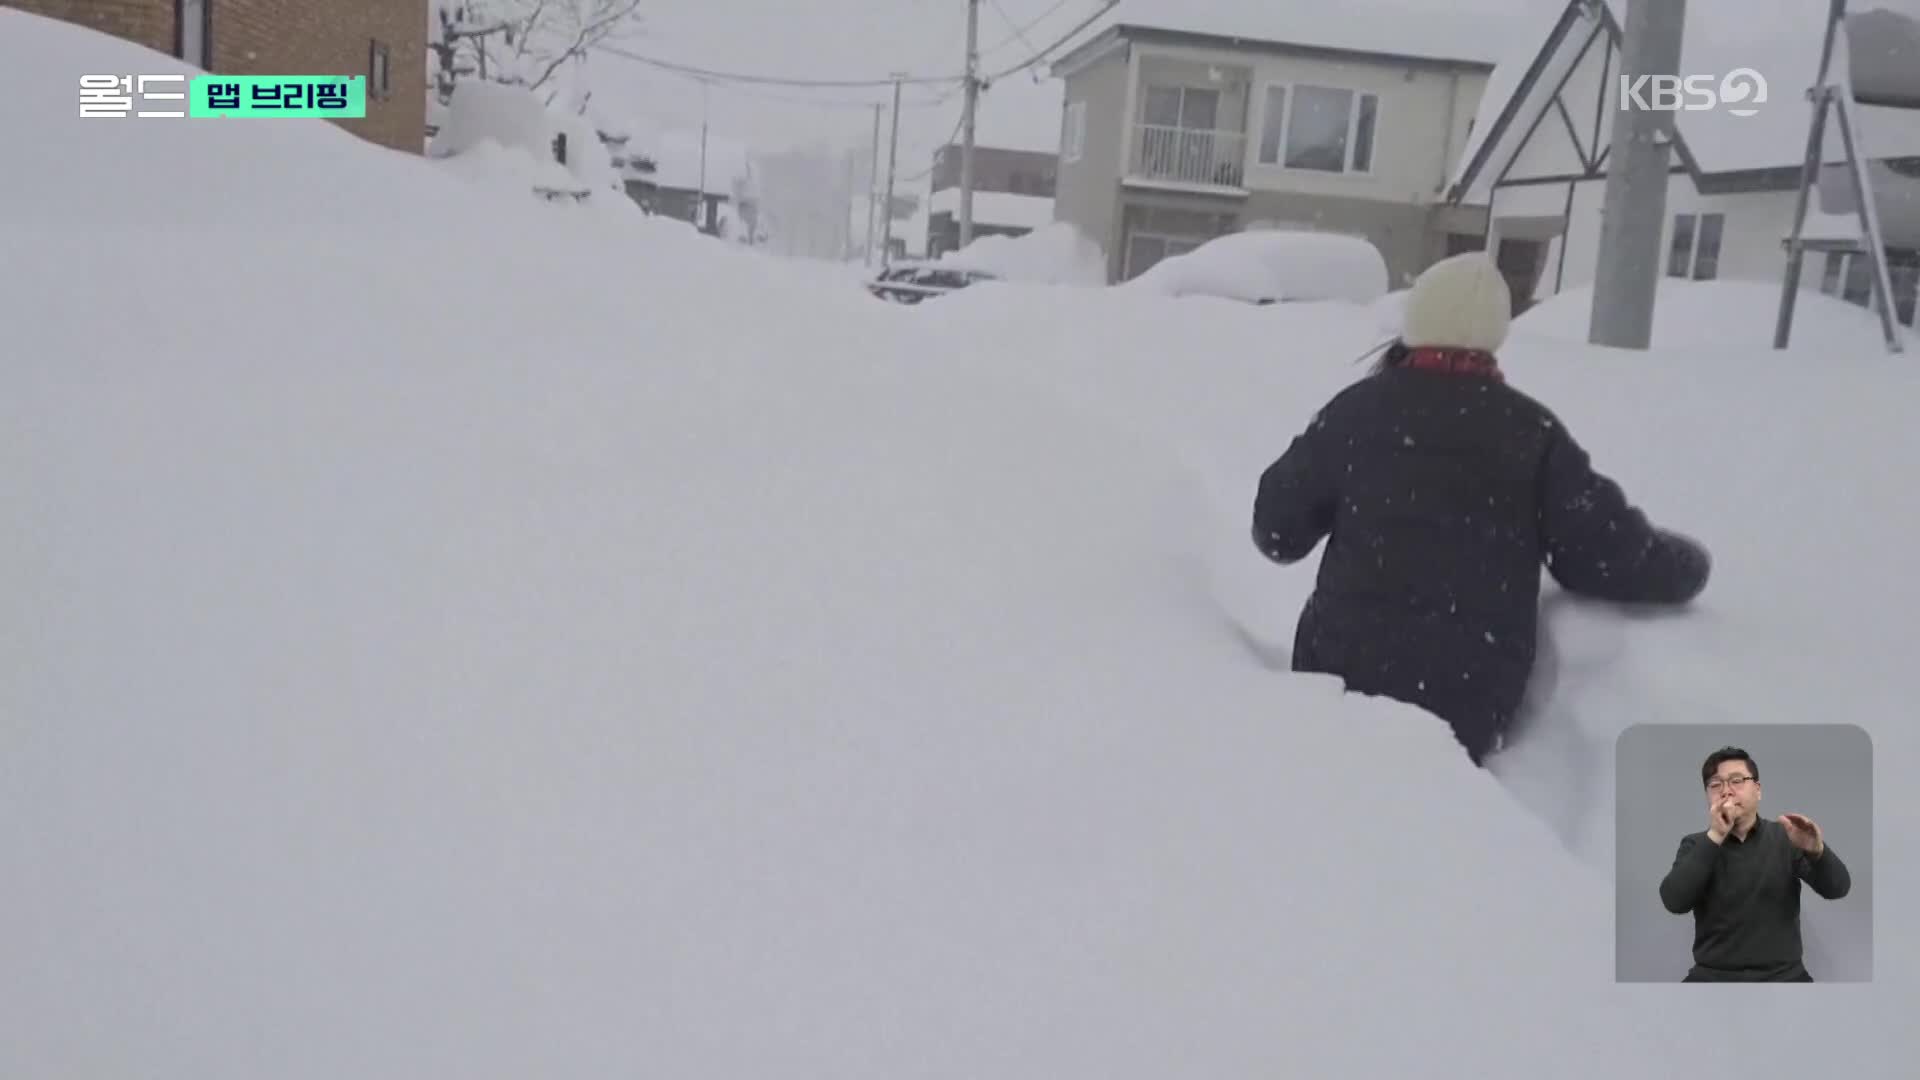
379 70
196 45
1167 241
1693 247
1073 132
1258 133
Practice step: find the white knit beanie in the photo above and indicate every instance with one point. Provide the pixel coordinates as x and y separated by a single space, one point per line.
1458 303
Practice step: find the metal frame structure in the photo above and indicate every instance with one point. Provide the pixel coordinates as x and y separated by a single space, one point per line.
1826 95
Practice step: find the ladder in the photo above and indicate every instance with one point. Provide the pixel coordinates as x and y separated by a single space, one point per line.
1827 96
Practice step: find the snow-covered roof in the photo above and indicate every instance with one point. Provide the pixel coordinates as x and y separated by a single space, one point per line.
1531 37
1778 39
997 208
1471 31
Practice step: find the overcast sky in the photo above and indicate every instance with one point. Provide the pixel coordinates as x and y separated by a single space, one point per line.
837 39
868 39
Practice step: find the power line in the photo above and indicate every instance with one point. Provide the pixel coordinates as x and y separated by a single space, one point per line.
772 80
1020 29
817 102
948 141
1041 56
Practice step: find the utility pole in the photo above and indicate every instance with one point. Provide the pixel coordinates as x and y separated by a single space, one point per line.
1634 209
969 115
893 160
701 206
873 180
845 218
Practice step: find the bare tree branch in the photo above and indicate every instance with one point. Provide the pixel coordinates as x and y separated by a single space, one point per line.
606 18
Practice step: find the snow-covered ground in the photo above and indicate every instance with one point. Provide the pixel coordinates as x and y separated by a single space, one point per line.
453 635
1725 316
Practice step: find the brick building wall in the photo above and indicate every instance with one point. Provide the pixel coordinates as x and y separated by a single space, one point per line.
299 37
290 37
144 22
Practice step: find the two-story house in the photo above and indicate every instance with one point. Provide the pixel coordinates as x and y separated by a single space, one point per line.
1012 194
1203 123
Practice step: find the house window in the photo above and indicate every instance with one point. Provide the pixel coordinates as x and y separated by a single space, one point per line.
1188 108
192 26
1073 133
1180 138
1680 253
1154 234
1830 274
379 72
1706 253
1319 128
1903 266
1273 124
1695 250
1363 122
1849 275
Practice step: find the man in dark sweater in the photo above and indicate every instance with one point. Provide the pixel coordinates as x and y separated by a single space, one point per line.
1741 879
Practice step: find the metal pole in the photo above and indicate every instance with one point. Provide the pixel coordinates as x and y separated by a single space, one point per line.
1869 225
846 211
701 205
873 180
1810 167
1635 205
893 160
969 116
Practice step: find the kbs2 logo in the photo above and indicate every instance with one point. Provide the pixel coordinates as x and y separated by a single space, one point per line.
1737 92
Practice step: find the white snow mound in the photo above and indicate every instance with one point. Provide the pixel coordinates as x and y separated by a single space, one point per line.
1272 264
1720 315
506 644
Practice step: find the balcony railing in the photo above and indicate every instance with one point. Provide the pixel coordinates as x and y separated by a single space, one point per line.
1189 155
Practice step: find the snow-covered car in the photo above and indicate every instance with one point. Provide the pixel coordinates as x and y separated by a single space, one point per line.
1270 266
912 282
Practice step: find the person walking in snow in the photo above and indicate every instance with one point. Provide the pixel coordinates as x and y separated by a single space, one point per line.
1441 491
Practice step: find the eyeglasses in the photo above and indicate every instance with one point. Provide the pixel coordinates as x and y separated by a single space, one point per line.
1719 782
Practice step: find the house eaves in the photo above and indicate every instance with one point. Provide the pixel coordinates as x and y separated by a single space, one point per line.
1118 37
1088 53
1158 35
1510 111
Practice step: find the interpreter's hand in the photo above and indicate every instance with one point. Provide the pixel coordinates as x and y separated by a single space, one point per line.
1720 821
1804 834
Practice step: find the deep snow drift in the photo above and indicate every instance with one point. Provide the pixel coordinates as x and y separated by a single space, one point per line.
491 639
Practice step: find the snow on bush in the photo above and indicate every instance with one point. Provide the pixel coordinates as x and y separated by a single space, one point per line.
509 115
1272 264
512 134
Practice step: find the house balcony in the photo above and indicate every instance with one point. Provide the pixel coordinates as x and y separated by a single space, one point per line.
1188 158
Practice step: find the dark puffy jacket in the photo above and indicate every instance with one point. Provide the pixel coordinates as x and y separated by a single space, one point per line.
1441 495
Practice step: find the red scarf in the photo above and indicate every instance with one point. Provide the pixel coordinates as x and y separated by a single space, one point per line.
1453 361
